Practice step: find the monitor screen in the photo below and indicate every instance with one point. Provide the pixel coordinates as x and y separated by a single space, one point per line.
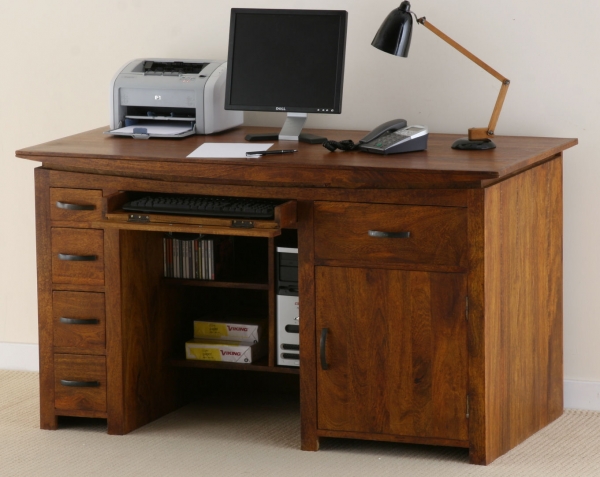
286 60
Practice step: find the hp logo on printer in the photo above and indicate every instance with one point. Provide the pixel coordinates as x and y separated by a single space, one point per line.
157 97
279 108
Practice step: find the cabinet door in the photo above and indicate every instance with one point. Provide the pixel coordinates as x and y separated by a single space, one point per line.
395 352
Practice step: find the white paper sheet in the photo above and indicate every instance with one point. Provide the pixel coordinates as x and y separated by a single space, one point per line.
227 150
156 129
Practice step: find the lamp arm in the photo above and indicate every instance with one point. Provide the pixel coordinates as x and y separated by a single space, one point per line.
476 133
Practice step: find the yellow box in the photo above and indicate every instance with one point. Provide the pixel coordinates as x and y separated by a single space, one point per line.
234 330
229 351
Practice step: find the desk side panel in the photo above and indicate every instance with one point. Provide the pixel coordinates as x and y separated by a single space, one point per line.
149 314
523 306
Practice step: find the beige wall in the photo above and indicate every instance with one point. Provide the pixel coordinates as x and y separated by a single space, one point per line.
57 58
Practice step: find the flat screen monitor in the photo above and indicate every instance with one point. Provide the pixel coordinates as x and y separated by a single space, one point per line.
286 60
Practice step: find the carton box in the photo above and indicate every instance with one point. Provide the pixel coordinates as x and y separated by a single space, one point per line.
230 351
234 330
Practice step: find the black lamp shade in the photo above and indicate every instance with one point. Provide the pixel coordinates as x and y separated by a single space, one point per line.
394 33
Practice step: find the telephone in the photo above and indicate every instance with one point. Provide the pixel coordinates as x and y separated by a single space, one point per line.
394 137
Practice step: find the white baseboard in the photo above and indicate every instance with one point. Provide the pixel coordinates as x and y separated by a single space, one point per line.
19 357
582 395
25 357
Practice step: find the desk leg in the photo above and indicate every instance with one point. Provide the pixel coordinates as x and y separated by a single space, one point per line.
48 418
308 352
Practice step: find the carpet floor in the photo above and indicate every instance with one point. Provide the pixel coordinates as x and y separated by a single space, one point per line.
260 437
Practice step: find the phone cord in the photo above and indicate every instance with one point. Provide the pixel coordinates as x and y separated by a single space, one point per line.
345 145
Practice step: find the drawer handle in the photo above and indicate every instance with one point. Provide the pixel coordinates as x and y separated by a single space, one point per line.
67 206
79 321
380 234
290 356
324 364
80 384
292 328
77 258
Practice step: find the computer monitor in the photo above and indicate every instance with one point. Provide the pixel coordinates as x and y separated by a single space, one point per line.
286 60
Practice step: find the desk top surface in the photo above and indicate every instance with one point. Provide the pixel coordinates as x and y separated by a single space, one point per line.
93 151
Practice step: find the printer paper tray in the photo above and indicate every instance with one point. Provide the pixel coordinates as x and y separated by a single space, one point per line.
150 129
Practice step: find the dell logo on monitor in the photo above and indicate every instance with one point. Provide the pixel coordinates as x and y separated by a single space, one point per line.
157 97
279 108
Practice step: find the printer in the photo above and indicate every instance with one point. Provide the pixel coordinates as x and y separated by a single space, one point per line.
170 98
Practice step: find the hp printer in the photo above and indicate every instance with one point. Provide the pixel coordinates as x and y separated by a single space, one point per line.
170 98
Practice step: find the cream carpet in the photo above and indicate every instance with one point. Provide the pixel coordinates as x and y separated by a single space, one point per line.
261 438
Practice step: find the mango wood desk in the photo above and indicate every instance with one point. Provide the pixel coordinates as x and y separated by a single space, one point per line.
452 336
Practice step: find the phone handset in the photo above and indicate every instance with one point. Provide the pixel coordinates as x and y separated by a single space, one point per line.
388 126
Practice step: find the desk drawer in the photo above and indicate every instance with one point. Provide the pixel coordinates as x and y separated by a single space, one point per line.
79 382
77 256
387 234
75 204
79 320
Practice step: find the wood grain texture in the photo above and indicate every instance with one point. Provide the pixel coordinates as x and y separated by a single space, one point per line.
476 329
438 235
78 305
78 242
114 334
260 366
523 306
442 197
313 166
44 283
149 314
78 197
397 352
308 350
431 441
175 227
84 368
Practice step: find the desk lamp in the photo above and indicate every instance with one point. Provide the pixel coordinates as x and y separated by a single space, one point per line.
394 37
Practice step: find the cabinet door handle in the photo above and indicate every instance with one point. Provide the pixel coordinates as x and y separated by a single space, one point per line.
67 206
380 234
80 384
77 258
324 364
79 321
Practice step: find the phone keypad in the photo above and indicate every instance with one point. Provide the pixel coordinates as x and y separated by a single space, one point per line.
388 140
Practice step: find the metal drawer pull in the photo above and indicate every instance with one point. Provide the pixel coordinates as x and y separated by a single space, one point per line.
79 321
324 364
80 384
77 258
67 206
379 234
292 328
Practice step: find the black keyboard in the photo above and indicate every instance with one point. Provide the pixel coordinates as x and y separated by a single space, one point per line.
204 205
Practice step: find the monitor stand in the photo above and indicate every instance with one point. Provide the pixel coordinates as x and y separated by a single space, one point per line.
289 132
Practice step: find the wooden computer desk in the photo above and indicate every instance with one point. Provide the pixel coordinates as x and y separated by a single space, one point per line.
452 336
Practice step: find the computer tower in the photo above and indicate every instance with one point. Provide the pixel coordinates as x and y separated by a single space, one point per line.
288 307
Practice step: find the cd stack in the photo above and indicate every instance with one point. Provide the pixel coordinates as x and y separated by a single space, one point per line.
196 256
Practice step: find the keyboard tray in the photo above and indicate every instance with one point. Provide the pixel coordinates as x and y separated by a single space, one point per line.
284 217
